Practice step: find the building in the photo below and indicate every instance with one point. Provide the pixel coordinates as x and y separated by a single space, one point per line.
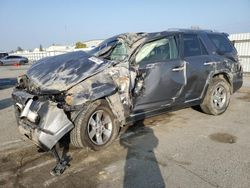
92 43
61 48
55 49
241 42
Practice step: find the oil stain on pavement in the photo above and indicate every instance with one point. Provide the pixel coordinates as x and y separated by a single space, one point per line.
223 138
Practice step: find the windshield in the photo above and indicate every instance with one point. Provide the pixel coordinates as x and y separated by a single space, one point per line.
118 48
108 43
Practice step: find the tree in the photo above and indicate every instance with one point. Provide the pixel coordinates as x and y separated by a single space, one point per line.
80 45
19 49
40 48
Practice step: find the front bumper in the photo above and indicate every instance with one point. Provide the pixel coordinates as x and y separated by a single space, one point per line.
40 120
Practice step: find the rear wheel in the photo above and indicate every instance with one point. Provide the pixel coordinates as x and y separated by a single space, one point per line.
217 97
96 127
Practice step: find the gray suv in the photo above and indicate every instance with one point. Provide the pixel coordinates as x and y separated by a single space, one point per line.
126 78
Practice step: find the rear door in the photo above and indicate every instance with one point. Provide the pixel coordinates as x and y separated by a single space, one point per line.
161 74
198 64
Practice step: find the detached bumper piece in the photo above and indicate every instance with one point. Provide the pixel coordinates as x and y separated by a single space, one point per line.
62 163
42 122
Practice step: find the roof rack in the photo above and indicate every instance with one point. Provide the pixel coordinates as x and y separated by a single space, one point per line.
182 29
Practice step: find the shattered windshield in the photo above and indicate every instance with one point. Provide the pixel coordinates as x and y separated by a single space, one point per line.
104 47
119 53
119 47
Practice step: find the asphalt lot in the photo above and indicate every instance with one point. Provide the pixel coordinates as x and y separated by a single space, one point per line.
185 148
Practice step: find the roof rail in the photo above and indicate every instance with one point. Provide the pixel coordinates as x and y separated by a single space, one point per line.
182 29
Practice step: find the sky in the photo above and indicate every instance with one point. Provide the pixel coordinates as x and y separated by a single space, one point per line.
29 23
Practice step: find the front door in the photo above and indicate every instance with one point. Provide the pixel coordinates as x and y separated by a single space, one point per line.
161 74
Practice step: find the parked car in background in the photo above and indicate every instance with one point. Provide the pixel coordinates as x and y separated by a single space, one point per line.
3 54
126 78
13 59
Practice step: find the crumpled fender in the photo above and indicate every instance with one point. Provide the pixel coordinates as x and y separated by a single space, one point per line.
96 87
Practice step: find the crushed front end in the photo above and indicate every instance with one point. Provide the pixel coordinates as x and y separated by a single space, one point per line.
40 119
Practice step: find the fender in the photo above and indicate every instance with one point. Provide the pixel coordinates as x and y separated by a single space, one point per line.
95 87
225 73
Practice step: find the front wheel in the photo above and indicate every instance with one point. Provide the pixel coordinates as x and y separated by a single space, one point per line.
217 97
96 127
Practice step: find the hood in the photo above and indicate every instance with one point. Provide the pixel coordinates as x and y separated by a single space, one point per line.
59 73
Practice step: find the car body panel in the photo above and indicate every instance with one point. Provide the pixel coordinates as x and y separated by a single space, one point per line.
61 72
162 85
40 120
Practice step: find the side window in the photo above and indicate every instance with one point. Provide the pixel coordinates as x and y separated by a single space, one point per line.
13 57
3 55
119 52
221 42
193 46
159 50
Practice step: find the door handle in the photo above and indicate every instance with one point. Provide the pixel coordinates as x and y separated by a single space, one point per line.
209 63
177 69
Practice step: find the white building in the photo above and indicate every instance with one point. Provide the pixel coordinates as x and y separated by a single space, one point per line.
242 44
63 48
92 43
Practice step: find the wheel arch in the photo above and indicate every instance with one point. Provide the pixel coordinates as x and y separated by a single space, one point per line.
113 101
226 76
222 74
206 104
78 134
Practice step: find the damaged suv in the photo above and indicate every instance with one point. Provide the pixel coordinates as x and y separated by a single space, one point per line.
126 78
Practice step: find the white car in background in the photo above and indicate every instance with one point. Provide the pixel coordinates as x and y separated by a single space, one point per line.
13 59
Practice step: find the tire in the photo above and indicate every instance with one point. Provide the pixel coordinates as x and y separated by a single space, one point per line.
86 134
1 63
217 97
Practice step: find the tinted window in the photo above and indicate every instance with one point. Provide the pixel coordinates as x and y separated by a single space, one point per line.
221 42
159 50
12 57
193 46
3 55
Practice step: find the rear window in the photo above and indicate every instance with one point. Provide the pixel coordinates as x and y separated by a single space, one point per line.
221 42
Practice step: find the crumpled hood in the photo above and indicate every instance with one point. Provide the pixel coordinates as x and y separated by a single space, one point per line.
59 73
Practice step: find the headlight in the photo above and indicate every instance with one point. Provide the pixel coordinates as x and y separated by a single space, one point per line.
69 100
